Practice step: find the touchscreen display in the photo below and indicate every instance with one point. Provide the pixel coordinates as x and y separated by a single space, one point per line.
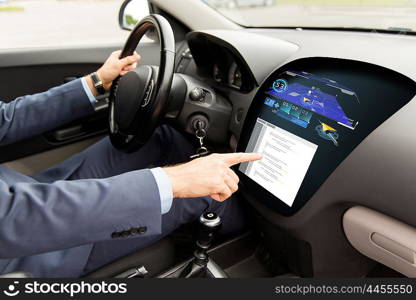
306 118
286 159
300 112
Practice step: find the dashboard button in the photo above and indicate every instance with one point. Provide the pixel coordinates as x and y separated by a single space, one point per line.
197 95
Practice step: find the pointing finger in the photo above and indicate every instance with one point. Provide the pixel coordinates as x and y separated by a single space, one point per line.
236 158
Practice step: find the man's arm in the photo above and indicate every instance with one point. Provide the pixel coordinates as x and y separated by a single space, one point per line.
35 114
37 218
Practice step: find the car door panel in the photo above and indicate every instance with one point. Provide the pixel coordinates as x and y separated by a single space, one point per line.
32 71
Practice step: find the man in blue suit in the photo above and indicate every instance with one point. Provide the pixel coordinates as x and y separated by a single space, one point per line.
101 204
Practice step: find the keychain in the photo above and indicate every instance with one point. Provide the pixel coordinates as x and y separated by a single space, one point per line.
200 134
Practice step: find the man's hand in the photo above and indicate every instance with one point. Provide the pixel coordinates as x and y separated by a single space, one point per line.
208 176
114 67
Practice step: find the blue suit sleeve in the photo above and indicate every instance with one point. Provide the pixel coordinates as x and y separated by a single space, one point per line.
37 218
32 115
165 189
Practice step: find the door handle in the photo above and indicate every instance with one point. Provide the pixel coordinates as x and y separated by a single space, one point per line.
68 133
88 127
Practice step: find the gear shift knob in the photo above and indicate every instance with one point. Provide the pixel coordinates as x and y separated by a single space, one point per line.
210 224
210 219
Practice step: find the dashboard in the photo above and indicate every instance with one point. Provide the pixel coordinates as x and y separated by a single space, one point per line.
333 114
306 117
221 64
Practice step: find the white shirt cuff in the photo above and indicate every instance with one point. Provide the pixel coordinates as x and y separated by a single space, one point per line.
165 189
88 92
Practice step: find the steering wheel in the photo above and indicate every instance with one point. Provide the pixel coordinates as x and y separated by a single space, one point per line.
138 99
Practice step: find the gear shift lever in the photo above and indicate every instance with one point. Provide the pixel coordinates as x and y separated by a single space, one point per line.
210 224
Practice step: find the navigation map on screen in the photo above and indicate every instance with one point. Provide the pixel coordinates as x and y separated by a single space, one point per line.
324 110
317 95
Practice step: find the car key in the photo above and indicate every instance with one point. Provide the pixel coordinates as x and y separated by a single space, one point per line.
200 134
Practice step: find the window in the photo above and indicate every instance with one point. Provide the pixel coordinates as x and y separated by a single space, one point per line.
58 23
390 15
